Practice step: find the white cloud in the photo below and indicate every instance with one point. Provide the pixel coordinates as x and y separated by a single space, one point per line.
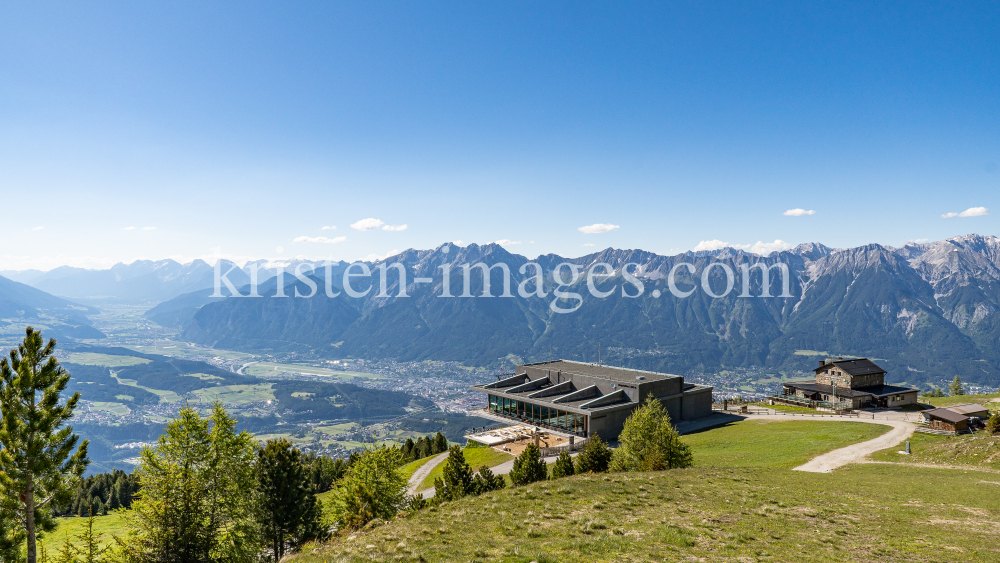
330 228
402 227
149 228
598 228
458 242
797 212
376 257
589 244
129 228
715 244
506 242
334 240
367 224
970 212
37 228
765 248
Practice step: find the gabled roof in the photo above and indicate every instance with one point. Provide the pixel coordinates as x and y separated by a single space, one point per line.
970 408
860 366
945 414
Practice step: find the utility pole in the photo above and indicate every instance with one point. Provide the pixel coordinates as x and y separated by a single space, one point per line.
598 353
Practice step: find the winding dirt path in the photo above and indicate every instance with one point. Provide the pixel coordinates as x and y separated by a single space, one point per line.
423 471
856 453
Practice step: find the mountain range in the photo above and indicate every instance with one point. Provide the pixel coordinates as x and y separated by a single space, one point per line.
925 311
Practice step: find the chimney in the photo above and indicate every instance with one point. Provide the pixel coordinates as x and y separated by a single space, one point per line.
822 363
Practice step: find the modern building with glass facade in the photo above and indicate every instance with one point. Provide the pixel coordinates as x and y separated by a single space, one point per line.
589 399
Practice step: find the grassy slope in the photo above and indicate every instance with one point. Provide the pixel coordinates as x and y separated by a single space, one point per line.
859 513
765 443
961 400
72 527
475 457
974 451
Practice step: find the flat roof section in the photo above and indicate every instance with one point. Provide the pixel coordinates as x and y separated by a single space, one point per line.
611 373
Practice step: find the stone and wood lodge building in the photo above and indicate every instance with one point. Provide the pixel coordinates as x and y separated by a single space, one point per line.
853 384
588 399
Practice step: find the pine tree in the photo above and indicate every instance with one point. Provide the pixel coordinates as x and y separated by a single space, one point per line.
91 551
67 553
198 494
372 488
649 442
440 444
956 388
485 481
289 513
594 457
529 467
457 480
563 467
38 467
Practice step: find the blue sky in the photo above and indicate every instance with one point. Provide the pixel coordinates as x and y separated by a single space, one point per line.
245 126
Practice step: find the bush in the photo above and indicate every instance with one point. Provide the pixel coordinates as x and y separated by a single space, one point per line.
529 467
993 424
563 467
485 481
594 457
372 488
649 442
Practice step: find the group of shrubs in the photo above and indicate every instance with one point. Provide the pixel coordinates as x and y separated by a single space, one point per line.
374 490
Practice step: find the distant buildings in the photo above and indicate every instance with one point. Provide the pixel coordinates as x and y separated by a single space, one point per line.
850 384
587 399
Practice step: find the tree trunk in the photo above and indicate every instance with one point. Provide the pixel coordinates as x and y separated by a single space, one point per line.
29 520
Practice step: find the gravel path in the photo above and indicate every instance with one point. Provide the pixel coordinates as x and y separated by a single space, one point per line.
423 471
855 453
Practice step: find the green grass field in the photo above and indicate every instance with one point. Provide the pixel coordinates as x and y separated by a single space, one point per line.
92 359
409 469
271 369
961 400
118 409
768 443
475 457
979 451
865 512
72 527
186 350
236 394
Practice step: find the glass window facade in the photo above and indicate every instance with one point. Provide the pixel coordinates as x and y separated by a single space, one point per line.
538 414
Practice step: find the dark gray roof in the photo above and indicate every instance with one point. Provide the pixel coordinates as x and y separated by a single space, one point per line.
875 390
827 389
860 366
610 373
945 414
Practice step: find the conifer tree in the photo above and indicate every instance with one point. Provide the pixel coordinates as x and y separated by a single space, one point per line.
956 388
372 488
289 514
91 552
457 480
563 467
529 467
649 442
198 494
594 457
485 481
38 467
440 444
